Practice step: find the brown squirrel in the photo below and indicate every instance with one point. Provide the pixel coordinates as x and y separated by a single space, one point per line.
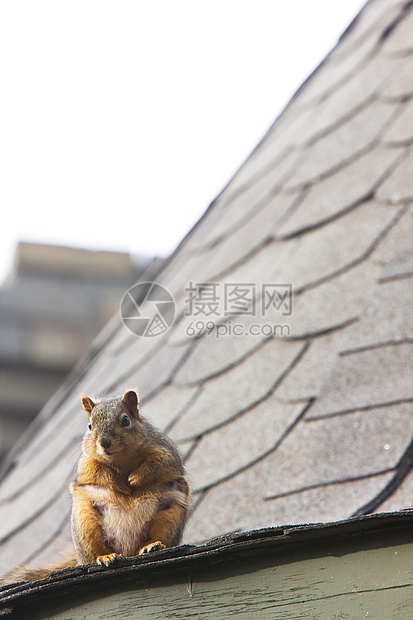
130 496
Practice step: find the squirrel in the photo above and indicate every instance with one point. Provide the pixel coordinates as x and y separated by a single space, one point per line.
130 495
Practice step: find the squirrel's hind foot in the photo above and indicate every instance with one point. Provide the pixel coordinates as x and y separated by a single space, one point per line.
155 546
106 560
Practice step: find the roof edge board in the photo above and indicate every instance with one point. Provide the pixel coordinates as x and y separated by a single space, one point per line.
65 583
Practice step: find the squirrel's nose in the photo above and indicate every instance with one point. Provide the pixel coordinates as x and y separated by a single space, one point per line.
105 442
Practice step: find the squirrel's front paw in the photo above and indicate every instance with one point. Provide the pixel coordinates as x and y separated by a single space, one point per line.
106 560
155 546
134 479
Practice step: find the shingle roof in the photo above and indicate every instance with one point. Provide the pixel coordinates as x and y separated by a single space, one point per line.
306 416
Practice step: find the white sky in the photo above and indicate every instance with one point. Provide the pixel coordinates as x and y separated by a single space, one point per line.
121 120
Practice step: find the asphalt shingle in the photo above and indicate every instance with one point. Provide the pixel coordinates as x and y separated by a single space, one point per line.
398 188
349 186
242 442
367 378
351 139
238 389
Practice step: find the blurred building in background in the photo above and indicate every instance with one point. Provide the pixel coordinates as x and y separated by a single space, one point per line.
53 303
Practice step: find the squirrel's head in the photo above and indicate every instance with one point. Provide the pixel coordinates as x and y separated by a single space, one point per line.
113 423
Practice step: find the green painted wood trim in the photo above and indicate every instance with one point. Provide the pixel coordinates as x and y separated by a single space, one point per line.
362 568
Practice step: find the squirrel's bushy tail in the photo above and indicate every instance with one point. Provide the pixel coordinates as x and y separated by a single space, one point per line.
25 573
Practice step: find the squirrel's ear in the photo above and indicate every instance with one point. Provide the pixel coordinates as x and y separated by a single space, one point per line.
131 400
88 404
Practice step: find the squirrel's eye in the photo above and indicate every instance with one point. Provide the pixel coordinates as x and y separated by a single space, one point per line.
125 421
89 427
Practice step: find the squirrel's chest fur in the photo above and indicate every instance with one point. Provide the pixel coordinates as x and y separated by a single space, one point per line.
125 521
